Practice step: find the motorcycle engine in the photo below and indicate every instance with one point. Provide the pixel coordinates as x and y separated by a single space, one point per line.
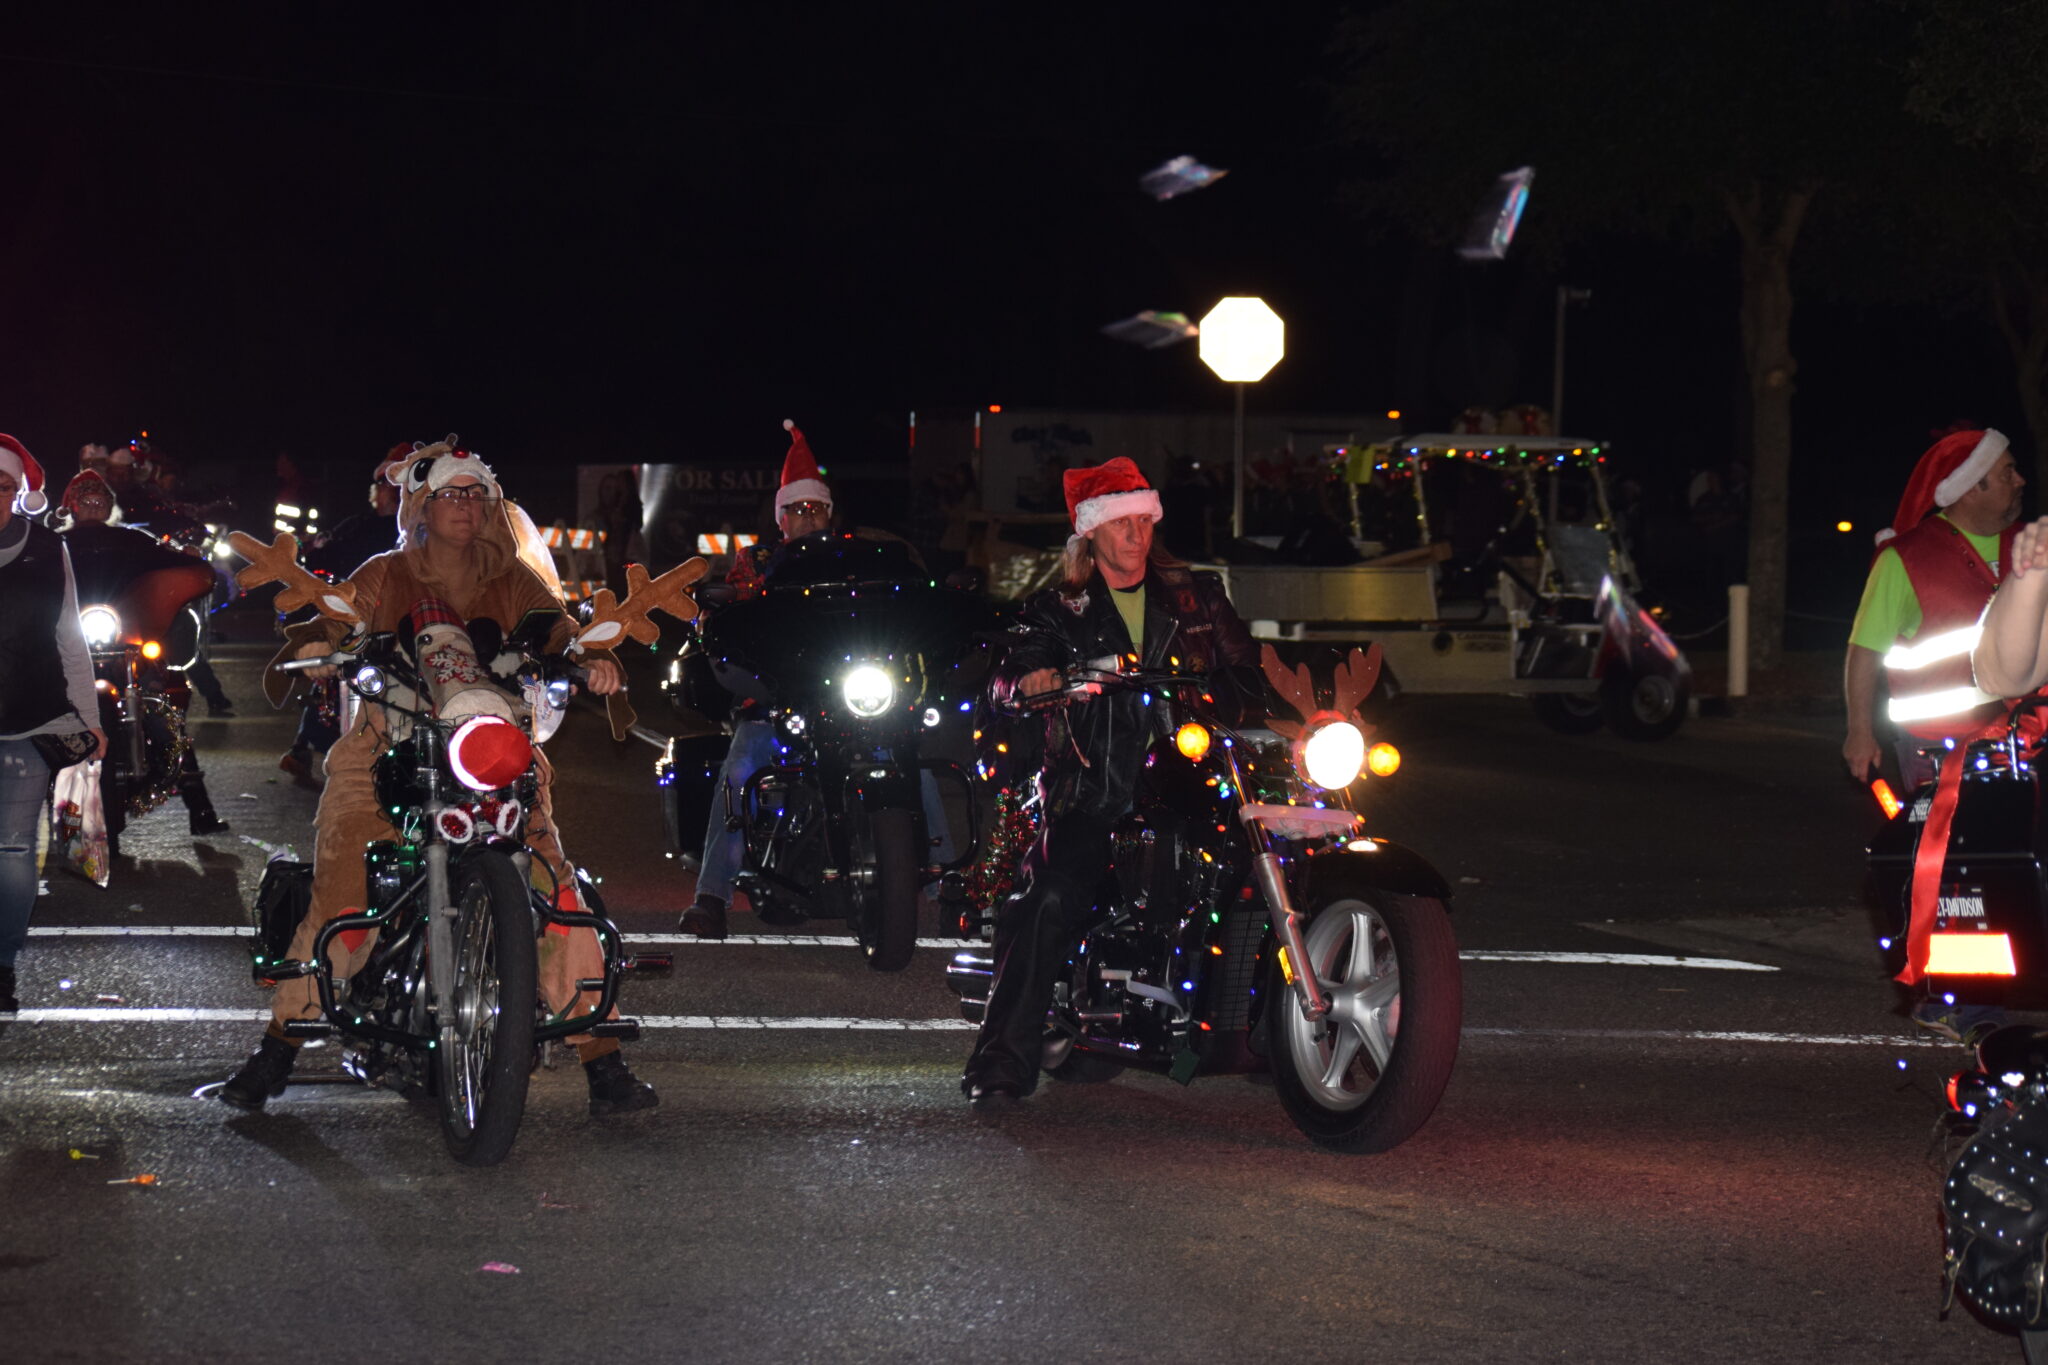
1996 1199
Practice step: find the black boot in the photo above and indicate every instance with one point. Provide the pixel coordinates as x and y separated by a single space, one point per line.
262 1077
705 918
204 820
616 1090
8 1004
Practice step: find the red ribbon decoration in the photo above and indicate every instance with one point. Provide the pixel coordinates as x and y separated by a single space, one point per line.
1932 853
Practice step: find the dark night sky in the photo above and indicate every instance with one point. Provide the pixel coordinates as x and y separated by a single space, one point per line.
605 235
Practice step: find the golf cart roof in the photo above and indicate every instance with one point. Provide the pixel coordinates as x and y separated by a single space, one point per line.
1448 443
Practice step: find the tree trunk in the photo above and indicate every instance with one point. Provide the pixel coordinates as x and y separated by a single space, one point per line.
1769 227
2019 305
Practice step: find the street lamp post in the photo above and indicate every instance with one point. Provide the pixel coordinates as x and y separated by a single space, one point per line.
1241 340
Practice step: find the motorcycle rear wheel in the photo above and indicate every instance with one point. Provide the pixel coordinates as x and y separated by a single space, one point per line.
1368 1075
486 1043
892 911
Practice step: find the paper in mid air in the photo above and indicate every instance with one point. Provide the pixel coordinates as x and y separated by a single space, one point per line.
1178 176
1493 227
1152 330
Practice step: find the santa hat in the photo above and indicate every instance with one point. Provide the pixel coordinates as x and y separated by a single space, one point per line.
1951 467
800 481
80 482
1110 490
15 459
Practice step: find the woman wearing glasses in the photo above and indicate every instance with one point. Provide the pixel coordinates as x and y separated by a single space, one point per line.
458 552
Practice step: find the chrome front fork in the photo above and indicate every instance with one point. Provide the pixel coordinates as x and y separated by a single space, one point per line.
440 931
1295 966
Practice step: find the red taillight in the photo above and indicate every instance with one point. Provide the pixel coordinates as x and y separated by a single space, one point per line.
1882 790
489 752
1970 954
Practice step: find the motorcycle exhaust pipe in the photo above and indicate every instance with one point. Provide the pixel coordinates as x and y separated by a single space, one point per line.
1294 963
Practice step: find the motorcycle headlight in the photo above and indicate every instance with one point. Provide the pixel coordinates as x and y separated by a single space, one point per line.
488 752
867 690
101 624
370 681
1332 755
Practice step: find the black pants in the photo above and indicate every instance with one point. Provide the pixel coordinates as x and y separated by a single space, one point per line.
1036 930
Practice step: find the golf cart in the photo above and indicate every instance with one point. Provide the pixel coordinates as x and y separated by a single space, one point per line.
1497 566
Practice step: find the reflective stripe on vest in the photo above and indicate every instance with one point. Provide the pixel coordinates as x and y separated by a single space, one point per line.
1933 691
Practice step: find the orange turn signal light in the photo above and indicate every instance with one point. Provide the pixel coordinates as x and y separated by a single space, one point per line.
1970 954
1383 759
1886 798
1192 740
152 650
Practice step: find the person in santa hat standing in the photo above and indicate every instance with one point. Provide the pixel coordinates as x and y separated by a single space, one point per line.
46 692
1119 595
803 507
1937 565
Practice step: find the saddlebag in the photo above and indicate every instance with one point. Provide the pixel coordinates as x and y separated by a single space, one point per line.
282 899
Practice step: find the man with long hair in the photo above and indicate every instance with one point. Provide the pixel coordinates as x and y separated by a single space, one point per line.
1120 595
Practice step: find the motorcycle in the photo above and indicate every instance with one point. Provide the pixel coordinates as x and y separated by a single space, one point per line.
1956 876
141 641
1248 919
855 659
1995 1195
448 1003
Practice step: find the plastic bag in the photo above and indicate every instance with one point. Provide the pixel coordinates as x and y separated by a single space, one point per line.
81 821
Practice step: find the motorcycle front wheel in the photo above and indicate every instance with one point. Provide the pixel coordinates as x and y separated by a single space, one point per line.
891 911
1368 1074
485 1053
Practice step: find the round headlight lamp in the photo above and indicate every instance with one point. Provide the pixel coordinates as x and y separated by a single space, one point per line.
868 691
369 681
1332 755
100 624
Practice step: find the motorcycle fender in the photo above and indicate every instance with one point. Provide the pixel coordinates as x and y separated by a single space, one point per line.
1387 867
894 790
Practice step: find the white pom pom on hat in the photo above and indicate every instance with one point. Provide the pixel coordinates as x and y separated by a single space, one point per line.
15 459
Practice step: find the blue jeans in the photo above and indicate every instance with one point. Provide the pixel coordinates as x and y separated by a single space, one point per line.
753 748
24 781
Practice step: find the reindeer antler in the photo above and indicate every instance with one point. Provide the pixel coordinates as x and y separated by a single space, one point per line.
278 562
1356 677
1295 687
612 622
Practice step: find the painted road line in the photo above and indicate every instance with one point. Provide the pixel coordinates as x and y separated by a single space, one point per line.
1712 964
714 1023
1628 1035
1718 964
139 1016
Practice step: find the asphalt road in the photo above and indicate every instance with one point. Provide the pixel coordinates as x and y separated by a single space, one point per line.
1661 1160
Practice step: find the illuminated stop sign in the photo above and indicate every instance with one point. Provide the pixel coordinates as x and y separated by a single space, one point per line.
1242 339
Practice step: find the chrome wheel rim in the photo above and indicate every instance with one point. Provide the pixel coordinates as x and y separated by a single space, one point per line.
474 1027
1342 1057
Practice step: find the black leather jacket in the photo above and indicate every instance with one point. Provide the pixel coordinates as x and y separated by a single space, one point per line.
1095 748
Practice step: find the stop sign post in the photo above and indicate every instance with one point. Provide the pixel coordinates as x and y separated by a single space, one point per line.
1241 340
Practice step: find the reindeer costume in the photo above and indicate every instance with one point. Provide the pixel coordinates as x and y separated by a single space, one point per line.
402 586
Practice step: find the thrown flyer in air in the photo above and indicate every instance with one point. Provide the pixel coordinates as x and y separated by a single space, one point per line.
1152 330
1493 228
1178 176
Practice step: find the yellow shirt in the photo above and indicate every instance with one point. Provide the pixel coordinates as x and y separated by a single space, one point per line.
1890 609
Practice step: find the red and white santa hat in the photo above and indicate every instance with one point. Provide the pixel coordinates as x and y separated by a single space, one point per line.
15 459
1115 488
800 481
1951 467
